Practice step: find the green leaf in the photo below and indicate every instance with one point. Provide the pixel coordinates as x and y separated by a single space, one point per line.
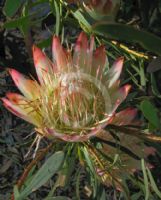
88 160
82 20
16 23
103 195
153 184
92 172
136 196
150 113
49 168
16 192
145 180
78 184
142 74
154 86
129 34
45 43
55 9
11 7
58 198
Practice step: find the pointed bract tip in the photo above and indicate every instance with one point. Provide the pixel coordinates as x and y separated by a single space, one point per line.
14 74
35 48
12 95
8 94
99 50
10 70
128 87
38 55
4 100
82 42
119 62
121 58
82 35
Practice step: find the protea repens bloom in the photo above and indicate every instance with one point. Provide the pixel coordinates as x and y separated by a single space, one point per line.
75 98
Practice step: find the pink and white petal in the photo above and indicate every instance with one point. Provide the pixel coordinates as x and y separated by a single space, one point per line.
70 138
122 93
99 61
100 56
43 65
115 87
92 44
78 138
60 56
29 88
115 71
81 43
119 96
89 56
16 98
20 107
81 51
124 117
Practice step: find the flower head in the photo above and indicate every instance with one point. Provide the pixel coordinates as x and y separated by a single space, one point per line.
74 97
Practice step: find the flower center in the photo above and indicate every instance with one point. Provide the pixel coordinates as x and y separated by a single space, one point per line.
73 103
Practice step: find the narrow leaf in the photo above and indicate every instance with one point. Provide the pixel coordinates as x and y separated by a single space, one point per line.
85 24
49 168
103 195
129 34
145 180
16 192
153 184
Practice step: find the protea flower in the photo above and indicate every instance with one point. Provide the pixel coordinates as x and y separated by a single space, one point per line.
99 8
75 99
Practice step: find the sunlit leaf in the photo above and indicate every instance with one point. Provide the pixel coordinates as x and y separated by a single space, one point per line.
49 168
84 23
